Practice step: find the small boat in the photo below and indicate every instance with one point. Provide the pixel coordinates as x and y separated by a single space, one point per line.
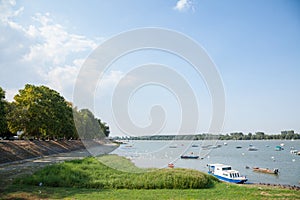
189 157
173 146
226 173
252 149
195 145
266 170
238 147
278 148
294 151
171 165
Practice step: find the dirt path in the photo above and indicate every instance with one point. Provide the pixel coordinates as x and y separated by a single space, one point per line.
9 171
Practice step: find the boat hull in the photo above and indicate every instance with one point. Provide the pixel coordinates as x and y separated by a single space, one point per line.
228 180
189 157
266 171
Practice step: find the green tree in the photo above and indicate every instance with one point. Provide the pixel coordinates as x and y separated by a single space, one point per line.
260 135
40 112
3 109
104 127
89 127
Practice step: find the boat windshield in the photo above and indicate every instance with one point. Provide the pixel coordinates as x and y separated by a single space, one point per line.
226 168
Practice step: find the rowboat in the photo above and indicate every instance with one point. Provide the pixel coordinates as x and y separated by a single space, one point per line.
266 170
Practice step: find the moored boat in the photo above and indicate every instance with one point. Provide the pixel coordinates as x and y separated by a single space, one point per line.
266 170
189 157
171 165
294 151
278 148
252 148
226 173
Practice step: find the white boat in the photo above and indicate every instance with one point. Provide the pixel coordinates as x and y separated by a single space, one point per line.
294 151
226 173
252 148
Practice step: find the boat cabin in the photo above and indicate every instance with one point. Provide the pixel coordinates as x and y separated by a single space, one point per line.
223 170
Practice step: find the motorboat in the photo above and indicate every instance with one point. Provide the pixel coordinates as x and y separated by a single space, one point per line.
226 173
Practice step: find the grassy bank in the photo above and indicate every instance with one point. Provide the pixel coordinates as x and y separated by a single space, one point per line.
90 173
89 179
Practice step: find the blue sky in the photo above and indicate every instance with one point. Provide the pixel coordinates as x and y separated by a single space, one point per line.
254 44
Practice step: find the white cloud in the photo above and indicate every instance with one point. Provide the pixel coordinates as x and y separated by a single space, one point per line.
183 5
62 78
56 43
109 80
10 93
6 11
43 52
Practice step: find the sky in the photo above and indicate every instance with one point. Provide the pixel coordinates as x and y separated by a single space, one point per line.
255 46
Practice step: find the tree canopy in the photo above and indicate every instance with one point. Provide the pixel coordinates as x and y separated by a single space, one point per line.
88 126
40 112
3 122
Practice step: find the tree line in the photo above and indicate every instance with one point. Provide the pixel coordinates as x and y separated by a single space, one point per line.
284 135
38 112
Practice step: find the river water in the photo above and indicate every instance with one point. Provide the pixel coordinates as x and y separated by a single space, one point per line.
158 154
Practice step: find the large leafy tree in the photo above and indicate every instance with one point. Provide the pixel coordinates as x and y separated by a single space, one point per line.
3 106
88 126
40 112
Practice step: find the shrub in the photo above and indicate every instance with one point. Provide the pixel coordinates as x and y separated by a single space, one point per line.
90 173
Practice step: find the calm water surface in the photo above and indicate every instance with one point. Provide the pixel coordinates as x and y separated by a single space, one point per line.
159 153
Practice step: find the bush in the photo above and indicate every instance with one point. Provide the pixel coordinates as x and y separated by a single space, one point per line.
90 173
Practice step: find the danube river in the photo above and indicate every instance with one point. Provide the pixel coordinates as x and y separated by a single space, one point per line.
159 154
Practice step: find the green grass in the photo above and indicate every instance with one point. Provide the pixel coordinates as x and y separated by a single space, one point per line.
90 173
220 191
90 179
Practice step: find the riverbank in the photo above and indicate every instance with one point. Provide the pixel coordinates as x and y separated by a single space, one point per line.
19 150
219 190
10 170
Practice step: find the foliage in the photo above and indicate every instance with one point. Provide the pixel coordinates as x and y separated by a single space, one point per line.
285 135
90 173
4 132
39 112
42 113
89 179
88 126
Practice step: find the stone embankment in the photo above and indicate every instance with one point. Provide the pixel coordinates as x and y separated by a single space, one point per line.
17 150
